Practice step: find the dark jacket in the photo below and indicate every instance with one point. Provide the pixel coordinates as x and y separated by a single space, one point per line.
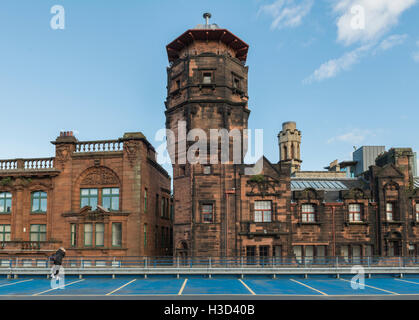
57 258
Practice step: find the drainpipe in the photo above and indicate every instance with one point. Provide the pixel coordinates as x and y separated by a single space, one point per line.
334 232
228 192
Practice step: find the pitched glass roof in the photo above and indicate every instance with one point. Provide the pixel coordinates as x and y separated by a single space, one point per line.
318 185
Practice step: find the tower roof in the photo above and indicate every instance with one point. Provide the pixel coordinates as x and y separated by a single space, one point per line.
207 32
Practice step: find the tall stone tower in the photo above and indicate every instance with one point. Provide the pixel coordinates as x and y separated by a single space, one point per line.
206 89
289 145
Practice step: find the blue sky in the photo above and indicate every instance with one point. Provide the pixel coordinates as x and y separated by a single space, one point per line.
105 73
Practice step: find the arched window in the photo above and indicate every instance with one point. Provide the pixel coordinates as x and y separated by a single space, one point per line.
39 202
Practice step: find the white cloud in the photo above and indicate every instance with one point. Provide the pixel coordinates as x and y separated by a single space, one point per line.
392 41
287 13
355 136
415 55
333 67
380 17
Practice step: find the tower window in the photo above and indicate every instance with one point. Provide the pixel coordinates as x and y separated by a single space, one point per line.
236 83
389 211
207 78
207 213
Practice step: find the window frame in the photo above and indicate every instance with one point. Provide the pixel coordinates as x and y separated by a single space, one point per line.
352 213
112 196
207 75
4 198
4 233
206 213
73 235
87 232
89 196
390 211
262 211
39 199
99 233
306 214
120 235
38 232
417 211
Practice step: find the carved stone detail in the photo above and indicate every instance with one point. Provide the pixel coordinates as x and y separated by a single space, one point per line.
100 176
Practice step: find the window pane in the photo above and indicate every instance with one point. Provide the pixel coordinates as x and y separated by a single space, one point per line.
43 207
106 191
117 234
308 208
267 216
263 205
258 216
8 205
93 203
100 228
88 234
115 203
106 202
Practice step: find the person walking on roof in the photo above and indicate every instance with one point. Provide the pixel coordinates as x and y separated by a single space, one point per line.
57 260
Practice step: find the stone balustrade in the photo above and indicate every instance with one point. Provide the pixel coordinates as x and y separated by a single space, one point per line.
99 146
27 164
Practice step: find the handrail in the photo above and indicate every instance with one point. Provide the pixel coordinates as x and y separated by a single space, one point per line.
209 262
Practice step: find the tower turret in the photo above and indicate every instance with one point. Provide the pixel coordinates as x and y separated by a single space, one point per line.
289 145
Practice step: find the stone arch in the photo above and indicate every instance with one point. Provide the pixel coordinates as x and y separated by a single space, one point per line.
95 177
98 176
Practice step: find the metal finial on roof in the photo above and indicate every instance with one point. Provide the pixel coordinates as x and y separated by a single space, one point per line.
207 16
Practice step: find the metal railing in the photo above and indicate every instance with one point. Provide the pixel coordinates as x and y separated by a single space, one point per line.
208 262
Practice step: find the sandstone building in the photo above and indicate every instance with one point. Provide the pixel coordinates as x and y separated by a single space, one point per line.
281 212
95 198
